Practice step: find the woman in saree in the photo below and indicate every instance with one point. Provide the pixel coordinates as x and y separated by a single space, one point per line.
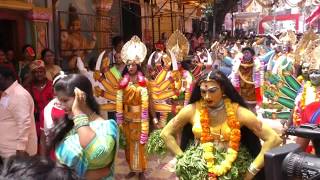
83 140
217 117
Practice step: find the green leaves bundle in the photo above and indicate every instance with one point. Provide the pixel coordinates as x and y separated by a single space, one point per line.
155 144
239 166
192 166
122 140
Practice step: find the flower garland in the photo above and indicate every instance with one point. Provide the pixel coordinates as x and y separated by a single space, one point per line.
144 115
144 112
208 147
309 94
119 107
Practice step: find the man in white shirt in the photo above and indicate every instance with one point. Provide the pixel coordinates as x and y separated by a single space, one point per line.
17 125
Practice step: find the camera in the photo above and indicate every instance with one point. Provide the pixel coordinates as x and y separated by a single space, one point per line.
289 162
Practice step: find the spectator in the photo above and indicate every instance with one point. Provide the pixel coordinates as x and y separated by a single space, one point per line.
41 90
117 43
17 125
12 58
35 168
87 143
52 69
29 56
51 114
164 38
4 61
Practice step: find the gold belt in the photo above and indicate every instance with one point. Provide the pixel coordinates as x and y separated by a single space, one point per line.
133 109
132 120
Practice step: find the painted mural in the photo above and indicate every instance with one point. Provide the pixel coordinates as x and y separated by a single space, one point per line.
77 22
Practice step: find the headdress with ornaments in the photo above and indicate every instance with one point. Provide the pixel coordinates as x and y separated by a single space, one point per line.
134 51
288 37
306 39
312 54
178 44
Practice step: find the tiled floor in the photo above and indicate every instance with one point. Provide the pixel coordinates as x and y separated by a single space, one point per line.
158 169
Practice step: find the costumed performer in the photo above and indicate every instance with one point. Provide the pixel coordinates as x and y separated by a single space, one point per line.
132 104
247 77
220 120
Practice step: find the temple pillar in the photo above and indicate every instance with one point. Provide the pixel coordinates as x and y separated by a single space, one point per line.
39 19
103 24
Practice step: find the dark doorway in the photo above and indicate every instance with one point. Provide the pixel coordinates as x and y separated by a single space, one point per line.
8 34
131 20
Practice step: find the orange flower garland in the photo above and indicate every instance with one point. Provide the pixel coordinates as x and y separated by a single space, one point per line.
310 91
207 139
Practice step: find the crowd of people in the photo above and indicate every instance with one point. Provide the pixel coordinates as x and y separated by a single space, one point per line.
62 125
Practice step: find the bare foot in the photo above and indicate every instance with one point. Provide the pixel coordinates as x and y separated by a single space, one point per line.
130 175
141 176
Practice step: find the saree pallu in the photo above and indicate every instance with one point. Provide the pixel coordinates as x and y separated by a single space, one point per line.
99 153
135 151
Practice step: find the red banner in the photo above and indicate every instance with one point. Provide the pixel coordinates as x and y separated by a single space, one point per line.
313 16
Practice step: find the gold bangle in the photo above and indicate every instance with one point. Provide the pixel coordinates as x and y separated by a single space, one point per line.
253 170
155 120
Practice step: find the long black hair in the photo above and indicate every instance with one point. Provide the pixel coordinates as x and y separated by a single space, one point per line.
67 85
248 138
35 168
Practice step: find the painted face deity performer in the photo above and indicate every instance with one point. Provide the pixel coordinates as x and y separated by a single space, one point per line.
310 91
247 77
132 104
218 119
283 88
178 46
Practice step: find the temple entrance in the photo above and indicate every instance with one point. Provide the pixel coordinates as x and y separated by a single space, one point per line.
8 35
131 20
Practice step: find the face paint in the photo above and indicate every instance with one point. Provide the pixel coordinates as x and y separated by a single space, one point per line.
305 70
247 56
211 93
314 76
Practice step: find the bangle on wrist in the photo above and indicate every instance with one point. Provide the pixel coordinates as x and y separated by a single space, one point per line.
80 120
155 120
253 170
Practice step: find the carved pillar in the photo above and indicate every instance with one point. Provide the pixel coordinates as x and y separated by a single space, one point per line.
146 21
103 24
39 18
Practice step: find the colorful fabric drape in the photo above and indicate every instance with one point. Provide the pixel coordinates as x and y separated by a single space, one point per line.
99 153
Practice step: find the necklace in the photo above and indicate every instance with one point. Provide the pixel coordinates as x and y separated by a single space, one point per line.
214 111
91 116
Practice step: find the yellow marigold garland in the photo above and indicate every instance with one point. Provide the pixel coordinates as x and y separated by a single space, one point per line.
207 139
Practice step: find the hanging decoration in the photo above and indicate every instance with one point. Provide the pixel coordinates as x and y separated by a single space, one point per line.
266 4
